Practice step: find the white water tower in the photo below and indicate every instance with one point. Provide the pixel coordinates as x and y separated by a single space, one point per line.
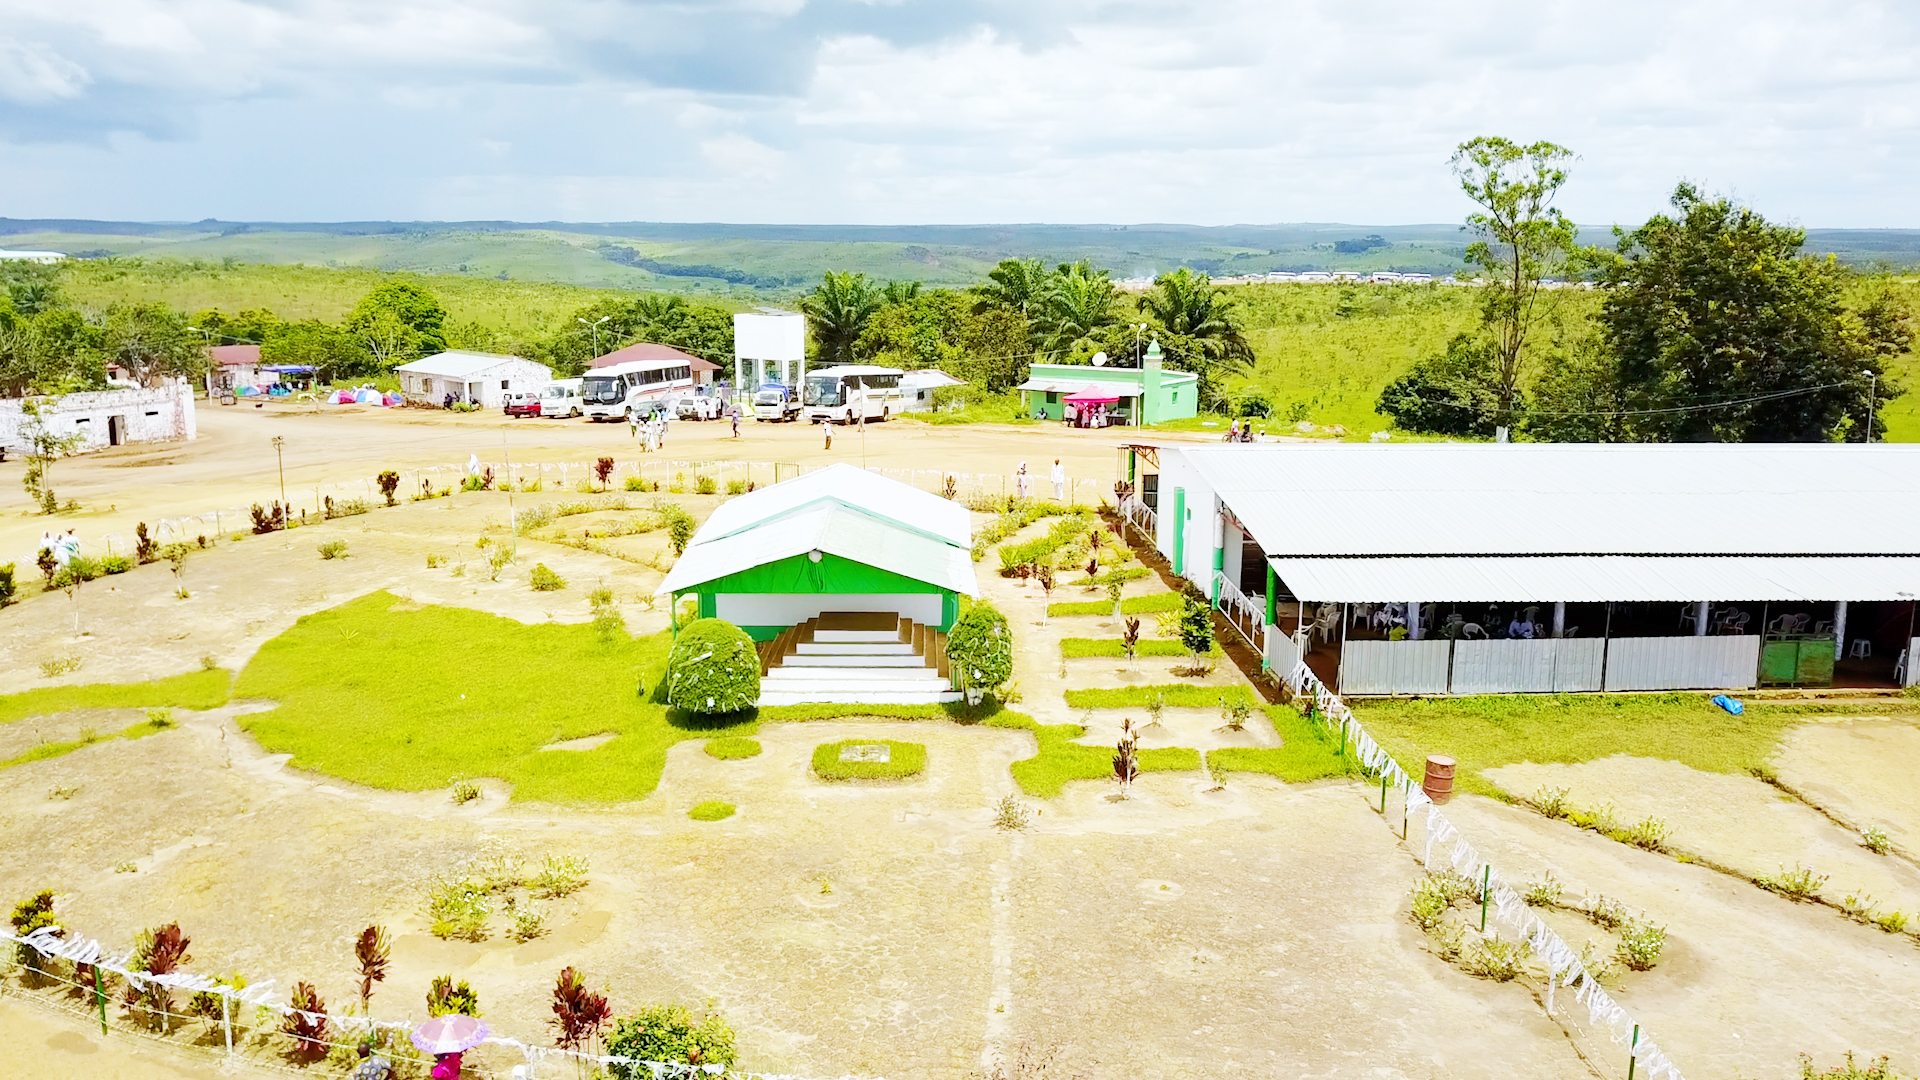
769 345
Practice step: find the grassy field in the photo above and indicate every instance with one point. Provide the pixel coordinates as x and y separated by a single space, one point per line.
1306 752
1487 732
1061 759
1131 605
1173 695
194 690
904 760
1074 648
48 750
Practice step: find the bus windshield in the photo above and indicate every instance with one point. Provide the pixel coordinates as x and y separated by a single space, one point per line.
603 391
823 390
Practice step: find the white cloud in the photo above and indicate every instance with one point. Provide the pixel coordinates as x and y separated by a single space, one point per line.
949 110
33 73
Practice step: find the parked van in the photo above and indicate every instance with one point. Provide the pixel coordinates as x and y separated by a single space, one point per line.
560 397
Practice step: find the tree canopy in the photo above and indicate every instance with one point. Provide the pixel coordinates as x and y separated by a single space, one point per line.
837 313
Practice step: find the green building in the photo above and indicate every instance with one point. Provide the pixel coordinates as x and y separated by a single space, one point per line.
848 580
1148 394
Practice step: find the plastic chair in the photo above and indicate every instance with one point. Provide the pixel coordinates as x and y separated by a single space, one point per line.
1861 649
1900 669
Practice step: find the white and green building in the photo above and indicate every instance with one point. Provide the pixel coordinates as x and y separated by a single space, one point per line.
1148 394
849 582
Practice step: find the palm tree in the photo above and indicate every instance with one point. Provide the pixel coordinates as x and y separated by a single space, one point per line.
1015 283
900 292
837 312
1196 322
1078 304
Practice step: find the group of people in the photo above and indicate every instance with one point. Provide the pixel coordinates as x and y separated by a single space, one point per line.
62 546
650 430
1241 431
1086 416
1023 481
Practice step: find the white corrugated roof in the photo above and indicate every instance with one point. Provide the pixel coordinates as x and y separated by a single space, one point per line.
849 486
831 527
1549 499
456 363
1597 578
928 379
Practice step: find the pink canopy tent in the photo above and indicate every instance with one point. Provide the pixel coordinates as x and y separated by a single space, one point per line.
1092 395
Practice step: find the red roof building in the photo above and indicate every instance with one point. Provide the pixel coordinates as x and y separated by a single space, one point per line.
646 350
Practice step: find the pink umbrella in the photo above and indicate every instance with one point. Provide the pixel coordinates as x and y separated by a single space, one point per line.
449 1034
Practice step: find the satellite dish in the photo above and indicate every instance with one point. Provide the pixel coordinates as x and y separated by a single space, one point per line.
1099 359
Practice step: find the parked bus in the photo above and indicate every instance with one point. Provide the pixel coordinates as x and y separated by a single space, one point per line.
626 391
849 392
776 403
560 397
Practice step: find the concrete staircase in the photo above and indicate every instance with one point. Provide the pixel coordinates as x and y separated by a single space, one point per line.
856 657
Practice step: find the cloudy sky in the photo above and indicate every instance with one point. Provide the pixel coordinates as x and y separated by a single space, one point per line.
952 111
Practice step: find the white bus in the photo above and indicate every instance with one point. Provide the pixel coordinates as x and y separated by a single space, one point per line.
561 397
847 392
626 391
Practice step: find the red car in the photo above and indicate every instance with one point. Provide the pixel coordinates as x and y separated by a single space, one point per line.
522 404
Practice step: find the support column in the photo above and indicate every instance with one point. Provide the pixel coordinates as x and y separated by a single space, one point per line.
1179 531
1559 619
1413 620
1272 587
1839 629
1700 613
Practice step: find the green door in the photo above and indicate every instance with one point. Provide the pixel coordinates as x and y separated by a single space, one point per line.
1816 662
1797 661
1779 662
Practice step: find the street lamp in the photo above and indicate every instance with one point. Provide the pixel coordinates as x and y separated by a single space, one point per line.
1138 329
594 328
1873 396
278 442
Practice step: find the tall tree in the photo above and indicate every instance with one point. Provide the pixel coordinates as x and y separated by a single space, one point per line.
152 342
1721 322
1020 284
1199 329
398 321
1521 238
837 313
1080 301
333 352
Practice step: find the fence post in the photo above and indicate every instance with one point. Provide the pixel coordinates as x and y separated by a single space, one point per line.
1486 892
1630 1049
226 1019
100 998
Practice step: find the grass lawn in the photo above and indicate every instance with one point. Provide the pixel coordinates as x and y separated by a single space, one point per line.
478 695
733 749
711 810
1078 648
1306 751
55 749
904 759
1060 759
194 690
1131 605
1487 732
1174 695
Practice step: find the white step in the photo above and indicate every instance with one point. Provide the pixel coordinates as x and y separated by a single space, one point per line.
865 636
829 676
837 697
846 660
852 648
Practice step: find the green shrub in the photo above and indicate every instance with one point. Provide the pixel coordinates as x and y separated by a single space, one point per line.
8 587
680 527
545 580
445 997
980 648
711 810
1798 885
115 564
733 748
1492 958
560 875
714 669
736 486
1640 944
1877 1069
333 549
704 485
904 759
669 1033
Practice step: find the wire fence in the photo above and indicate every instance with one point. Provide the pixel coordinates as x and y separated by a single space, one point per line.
1564 967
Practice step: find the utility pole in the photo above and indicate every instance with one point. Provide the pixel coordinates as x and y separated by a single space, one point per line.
278 442
594 328
1873 397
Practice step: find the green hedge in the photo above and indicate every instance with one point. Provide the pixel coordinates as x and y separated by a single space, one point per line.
1132 605
1078 648
1175 695
733 748
713 670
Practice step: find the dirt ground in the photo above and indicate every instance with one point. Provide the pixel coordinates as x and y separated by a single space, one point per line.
876 929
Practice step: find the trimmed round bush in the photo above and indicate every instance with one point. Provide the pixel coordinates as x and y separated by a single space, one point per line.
980 648
714 668
711 810
733 748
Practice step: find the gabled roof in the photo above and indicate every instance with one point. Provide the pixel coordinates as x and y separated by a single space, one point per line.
907 507
835 529
647 350
235 355
459 363
1567 498
841 510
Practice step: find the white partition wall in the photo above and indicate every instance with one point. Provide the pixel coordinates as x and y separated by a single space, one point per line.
1281 651
1538 666
1729 662
1908 677
1394 667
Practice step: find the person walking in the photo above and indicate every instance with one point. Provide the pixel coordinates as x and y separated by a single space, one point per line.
1022 483
733 413
828 425
1059 478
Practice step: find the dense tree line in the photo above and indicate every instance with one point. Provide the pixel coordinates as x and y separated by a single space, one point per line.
1025 313
1714 326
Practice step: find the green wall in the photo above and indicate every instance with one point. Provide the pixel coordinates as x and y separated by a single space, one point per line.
831 575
